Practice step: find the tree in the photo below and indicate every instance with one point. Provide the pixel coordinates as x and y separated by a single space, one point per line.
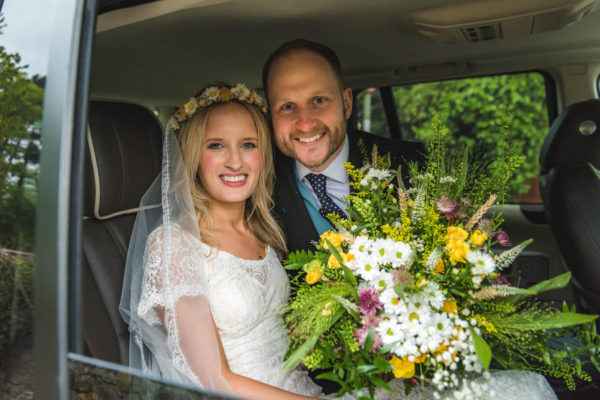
20 111
476 110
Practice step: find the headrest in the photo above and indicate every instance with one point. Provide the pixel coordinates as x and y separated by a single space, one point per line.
574 137
124 155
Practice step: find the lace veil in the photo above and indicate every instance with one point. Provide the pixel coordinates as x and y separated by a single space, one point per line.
164 287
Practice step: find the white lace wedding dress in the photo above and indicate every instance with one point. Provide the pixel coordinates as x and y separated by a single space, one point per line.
246 300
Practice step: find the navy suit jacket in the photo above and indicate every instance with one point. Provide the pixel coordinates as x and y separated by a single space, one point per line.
290 209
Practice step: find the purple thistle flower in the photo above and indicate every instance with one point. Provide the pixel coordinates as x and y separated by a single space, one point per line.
500 280
402 277
361 335
486 226
503 238
369 301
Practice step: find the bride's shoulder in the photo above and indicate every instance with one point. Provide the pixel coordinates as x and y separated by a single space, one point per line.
172 232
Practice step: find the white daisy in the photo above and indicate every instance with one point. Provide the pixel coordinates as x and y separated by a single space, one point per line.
191 106
240 91
482 263
400 254
211 93
258 99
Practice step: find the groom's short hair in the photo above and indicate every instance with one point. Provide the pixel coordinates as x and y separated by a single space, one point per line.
299 45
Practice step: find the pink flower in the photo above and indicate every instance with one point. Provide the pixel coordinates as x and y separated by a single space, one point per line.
361 335
503 238
446 206
369 301
369 320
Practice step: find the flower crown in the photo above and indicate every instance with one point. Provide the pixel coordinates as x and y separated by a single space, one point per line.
221 93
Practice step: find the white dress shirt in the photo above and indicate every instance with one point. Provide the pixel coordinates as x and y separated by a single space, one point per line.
338 184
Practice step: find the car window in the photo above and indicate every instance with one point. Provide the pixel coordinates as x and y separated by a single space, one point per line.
369 112
23 61
477 111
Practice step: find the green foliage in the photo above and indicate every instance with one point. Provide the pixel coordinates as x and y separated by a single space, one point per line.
475 105
20 112
16 296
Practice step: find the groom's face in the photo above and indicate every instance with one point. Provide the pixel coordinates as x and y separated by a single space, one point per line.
309 108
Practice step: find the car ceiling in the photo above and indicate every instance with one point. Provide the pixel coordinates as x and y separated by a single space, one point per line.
160 52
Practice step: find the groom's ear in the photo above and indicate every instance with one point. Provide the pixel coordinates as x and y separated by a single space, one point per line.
347 98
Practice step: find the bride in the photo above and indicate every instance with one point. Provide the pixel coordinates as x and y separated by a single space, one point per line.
204 289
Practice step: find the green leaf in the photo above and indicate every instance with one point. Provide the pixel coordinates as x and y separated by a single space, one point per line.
348 305
399 289
380 382
382 364
369 339
296 357
387 347
557 282
548 321
349 275
364 368
484 353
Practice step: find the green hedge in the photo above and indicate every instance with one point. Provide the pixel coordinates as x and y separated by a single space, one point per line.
15 268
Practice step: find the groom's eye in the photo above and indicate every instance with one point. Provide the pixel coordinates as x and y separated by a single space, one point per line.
286 107
320 100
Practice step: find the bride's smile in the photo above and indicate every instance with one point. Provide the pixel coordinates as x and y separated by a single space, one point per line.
229 164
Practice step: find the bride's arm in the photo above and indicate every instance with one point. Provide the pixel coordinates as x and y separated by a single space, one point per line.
200 342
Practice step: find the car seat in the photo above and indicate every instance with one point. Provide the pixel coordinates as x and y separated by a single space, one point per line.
123 156
570 189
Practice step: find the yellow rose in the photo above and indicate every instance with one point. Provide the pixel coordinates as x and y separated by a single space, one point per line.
333 262
478 238
456 233
313 277
458 250
335 238
403 368
314 271
439 268
450 307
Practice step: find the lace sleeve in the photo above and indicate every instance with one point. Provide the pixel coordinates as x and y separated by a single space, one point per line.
181 332
170 272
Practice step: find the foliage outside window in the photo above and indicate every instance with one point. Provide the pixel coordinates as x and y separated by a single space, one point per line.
20 114
478 111
370 114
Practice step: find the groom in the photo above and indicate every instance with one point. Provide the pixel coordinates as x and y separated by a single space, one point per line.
310 108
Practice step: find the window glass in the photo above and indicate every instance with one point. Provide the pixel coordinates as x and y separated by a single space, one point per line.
24 41
370 114
478 111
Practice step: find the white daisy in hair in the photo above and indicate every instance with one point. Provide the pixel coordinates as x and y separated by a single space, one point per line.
258 99
240 91
211 93
191 106
482 263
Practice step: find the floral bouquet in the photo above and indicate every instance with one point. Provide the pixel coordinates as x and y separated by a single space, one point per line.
410 286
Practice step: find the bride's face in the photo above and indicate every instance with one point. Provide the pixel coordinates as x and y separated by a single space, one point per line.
230 160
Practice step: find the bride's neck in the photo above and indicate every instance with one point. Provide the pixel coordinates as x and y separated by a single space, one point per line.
227 216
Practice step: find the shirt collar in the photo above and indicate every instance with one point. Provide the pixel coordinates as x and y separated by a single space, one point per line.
335 170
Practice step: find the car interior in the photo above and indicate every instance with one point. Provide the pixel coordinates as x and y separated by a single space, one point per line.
150 56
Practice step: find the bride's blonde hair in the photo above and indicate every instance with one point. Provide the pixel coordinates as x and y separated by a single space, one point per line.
257 215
